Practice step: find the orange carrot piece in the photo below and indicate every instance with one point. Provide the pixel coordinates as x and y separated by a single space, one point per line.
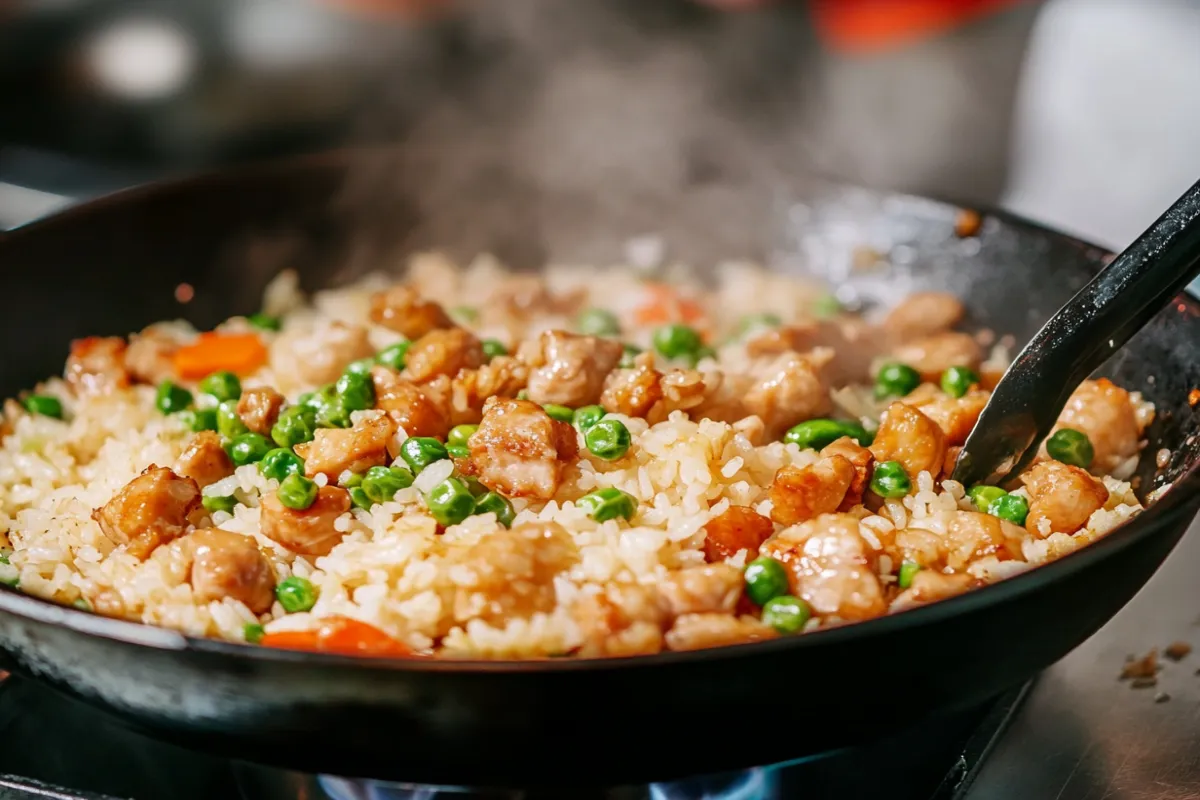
666 305
340 635
239 353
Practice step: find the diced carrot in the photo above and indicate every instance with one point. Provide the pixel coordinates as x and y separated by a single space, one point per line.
666 305
340 635
239 353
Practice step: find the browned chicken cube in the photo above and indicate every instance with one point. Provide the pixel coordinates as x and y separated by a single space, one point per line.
520 451
97 365
924 314
908 436
204 460
956 416
862 460
1104 412
226 564
736 528
1061 498
632 392
310 532
148 358
788 389
569 369
150 510
799 494
442 352
404 311
336 450
259 409
934 354
407 405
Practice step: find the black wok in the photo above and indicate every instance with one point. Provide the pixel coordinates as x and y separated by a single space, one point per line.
111 266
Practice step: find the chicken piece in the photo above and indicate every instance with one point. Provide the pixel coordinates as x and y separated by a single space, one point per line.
799 494
1061 498
96 365
923 314
401 309
908 436
736 528
336 450
862 460
525 296
204 460
632 392
956 416
712 588
310 532
503 376
622 620
13 411
853 343
520 451
934 354
829 567
973 535
698 631
442 352
150 510
226 564
929 586
148 358
407 405
1104 412
568 369
788 389
259 408
319 356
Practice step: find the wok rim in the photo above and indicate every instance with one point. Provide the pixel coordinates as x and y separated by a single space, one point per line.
1182 498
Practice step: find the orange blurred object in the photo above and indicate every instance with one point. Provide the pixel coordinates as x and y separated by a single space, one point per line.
389 8
666 305
871 25
341 635
239 353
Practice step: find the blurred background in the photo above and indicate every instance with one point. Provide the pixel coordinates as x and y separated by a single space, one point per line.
1081 113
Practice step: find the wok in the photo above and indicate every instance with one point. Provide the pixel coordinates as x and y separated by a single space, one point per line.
113 265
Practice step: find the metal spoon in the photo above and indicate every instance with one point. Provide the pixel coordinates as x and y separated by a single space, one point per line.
1080 337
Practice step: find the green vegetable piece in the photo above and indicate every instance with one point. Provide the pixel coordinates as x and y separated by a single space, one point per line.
756 322
1011 507
598 322
171 397
957 381
252 632
1071 447
560 413
265 322
421 451
333 414
248 448
361 367
358 496
523 394
890 480
450 502
382 483
296 594
627 357
983 496
465 314
297 492
356 391
677 341
212 504
393 355
827 306
458 451
461 434
608 503
498 504
43 405
587 416
199 419
222 385
818 433
353 479
296 425
765 578
896 380
82 604
786 614
493 348
315 400
229 424
608 439
908 569
277 464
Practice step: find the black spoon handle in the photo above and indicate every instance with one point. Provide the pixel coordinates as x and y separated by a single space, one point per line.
1080 337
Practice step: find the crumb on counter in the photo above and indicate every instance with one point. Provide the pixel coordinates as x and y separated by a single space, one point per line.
1141 668
1176 651
967 223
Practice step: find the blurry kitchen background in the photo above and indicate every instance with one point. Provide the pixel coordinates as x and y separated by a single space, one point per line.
1081 113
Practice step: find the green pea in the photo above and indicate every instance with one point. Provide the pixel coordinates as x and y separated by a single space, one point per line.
314 400
382 483
465 314
351 480
983 496
297 492
252 632
818 433
360 367
608 439
461 434
296 425
199 419
493 348
421 451
630 353
608 503
247 448
1011 507
896 380
296 594
523 394
587 416
213 504
676 341
560 413
890 480
279 463
171 397
229 424
265 322
333 414
358 496
458 451
908 570
826 306
494 503
957 381
393 355
765 578
786 614
477 488
356 391
1071 447
222 385
756 322
450 502
44 405
598 322
82 604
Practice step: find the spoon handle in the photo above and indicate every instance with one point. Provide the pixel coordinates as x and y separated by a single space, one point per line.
1081 336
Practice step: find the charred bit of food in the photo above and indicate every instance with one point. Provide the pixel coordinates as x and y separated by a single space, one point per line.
735 529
